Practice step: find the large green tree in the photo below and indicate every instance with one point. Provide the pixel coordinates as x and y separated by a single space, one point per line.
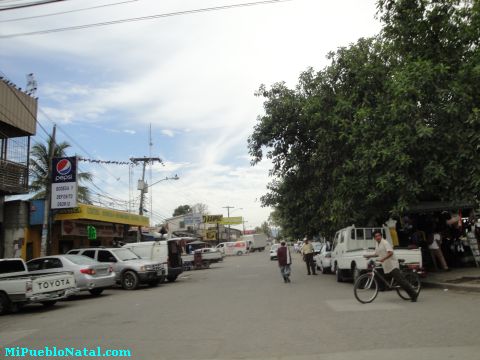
40 168
391 121
182 210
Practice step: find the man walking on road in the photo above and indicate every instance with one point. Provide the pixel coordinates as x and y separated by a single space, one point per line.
284 261
308 252
384 251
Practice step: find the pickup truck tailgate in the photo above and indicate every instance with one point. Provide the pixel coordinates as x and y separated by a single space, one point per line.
52 282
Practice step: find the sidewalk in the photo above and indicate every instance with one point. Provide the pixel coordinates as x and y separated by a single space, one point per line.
464 279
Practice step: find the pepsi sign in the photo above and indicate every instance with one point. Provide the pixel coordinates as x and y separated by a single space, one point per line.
64 170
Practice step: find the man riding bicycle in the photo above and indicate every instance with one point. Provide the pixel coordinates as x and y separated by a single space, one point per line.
384 251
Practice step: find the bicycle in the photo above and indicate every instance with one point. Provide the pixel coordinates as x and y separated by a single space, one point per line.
366 286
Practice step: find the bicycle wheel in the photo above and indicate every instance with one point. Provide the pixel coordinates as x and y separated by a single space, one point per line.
366 288
413 280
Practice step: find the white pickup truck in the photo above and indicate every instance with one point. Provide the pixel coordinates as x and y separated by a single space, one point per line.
18 288
352 243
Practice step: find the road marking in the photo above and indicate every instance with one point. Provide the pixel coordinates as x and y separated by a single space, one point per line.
12 336
354 305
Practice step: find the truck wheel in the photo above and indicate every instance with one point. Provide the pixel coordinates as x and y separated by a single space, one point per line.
95 292
355 272
172 278
338 273
4 304
48 304
130 280
239 253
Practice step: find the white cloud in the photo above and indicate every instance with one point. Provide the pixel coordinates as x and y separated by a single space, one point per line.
131 132
169 133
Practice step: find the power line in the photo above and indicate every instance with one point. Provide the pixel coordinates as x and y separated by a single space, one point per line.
143 18
38 3
67 12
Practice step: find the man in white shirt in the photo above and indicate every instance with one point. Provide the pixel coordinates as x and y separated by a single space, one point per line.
386 256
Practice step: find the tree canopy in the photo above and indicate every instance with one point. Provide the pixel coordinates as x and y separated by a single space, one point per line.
182 210
392 120
40 168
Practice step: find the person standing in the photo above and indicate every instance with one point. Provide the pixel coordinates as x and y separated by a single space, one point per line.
308 252
384 251
284 261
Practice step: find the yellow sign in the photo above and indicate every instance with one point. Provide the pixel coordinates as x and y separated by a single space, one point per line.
212 219
90 212
211 235
236 220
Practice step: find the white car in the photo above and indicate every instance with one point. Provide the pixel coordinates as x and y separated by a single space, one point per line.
273 251
323 259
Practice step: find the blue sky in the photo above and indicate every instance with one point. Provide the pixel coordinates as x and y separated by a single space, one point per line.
191 77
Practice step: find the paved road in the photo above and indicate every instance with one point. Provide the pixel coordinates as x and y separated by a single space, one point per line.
241 309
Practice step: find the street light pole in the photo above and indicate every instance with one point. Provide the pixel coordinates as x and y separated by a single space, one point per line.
228 214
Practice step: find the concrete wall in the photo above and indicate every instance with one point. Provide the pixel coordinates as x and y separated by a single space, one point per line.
14 224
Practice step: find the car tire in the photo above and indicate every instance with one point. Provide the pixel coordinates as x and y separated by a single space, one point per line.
130 280
338 273
172 278
355 272
239 253
48 304
96 292
4 304
324 269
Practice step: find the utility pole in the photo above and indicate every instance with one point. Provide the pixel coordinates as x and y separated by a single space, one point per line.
45 245
143 188
228 214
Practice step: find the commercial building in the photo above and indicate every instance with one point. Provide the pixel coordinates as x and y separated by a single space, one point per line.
23 227
18 116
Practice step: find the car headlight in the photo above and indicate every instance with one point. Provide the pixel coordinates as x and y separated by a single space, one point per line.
148 267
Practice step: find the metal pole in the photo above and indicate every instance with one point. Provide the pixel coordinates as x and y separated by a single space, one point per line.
45 244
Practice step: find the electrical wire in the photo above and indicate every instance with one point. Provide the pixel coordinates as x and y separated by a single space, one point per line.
67 12
143 18
38 3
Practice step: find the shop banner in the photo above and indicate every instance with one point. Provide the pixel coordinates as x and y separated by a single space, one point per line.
237 220
212 219
80 228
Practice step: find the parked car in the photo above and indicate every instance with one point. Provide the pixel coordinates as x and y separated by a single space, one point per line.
18 287
273 251
168 253
317 247
233 248
130 269
213 255
323 259
90 275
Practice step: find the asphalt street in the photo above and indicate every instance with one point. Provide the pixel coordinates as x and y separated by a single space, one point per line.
242 309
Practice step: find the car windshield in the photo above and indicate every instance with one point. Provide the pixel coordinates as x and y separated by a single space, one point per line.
275 247
125 254
80 259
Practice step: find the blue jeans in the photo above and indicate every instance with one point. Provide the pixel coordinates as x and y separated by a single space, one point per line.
285 270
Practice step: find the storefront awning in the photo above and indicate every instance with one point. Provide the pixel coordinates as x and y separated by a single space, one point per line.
90 212
432 206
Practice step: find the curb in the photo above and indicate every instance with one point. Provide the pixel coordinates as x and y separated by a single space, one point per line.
449 286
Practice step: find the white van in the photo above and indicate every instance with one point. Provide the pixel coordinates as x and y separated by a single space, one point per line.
233 248
164 251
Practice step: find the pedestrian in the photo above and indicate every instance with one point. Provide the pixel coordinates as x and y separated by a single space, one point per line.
384 250
284 261
308 252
